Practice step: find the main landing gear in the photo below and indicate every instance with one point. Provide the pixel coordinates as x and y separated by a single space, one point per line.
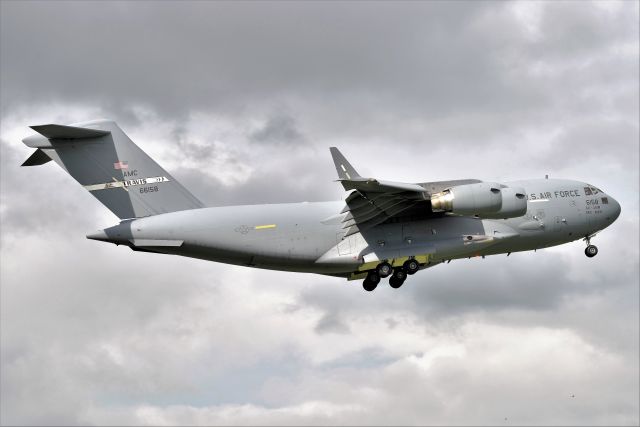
384 269
398 278
371 281
590 250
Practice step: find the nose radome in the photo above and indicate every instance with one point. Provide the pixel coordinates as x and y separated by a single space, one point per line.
615 209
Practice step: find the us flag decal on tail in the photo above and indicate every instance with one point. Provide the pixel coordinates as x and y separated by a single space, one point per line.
121 165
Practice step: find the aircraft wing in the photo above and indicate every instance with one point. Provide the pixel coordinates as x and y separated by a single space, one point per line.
368 209
374 201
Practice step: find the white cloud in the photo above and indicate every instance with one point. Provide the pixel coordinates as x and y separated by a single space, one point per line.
480 372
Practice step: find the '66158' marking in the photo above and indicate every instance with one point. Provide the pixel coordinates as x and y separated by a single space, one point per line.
151 189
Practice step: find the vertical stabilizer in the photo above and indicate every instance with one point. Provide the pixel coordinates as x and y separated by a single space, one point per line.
102 158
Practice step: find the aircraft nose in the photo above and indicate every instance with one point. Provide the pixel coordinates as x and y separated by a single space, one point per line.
615 209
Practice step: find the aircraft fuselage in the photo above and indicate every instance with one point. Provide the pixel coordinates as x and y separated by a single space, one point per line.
309 237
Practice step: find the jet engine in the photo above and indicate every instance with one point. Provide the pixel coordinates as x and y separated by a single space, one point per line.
484 199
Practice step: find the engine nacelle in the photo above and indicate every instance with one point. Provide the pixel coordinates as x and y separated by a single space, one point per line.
485 199
514 204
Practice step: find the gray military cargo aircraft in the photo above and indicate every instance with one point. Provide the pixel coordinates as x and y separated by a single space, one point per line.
381 229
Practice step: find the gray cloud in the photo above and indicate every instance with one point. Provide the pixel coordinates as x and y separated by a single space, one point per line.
239 101
279 129
228 55
331 323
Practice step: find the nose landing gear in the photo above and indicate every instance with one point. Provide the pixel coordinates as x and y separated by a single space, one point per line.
591 250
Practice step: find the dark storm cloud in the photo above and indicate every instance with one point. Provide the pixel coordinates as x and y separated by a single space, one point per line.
427 57
460 73
216 52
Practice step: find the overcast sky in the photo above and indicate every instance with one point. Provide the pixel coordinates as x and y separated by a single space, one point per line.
240 102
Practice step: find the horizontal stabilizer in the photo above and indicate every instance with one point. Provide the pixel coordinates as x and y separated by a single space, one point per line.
38 158
68 132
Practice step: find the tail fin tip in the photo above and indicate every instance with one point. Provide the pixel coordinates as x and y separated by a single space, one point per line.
53 131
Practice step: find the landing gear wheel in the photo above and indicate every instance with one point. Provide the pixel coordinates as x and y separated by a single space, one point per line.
411 266
368 286
371 281
398 278
384 269
395 284
591 251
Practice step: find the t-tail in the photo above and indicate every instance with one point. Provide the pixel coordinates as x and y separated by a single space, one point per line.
102 158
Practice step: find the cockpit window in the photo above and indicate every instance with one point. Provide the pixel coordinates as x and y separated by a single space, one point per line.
591 190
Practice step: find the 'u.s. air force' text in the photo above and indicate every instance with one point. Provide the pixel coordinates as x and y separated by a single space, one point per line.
560 194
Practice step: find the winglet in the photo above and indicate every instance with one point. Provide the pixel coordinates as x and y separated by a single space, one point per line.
344 168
